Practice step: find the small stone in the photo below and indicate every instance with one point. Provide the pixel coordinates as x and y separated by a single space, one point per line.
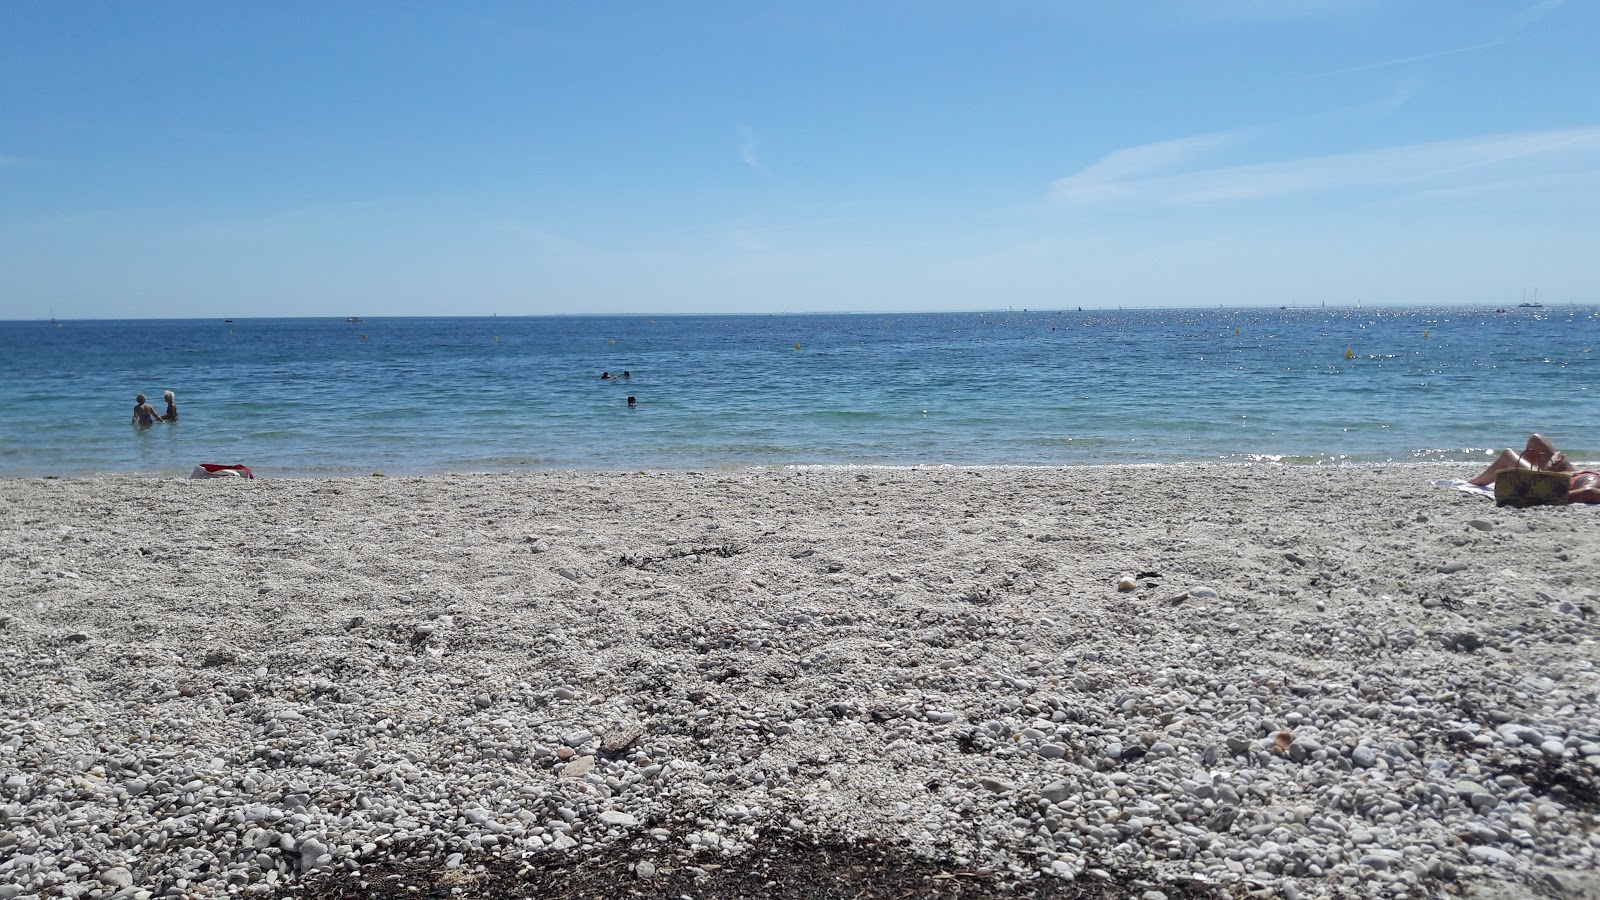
1201 592
568 574
1052 751
1491 855
578 767
1365 757
1452 567
619 738
483 701
644 869
1057 791
617 817
995 785
1480 525
1552 747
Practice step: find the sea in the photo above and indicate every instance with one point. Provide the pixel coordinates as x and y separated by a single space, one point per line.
296 397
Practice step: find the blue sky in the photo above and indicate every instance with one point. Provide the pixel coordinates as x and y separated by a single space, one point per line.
403 158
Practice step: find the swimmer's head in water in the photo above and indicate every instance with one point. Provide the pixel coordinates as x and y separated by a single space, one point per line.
626 374
167 396
632 401
138 398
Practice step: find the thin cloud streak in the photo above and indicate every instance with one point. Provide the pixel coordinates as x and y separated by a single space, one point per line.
747 150
1407 60
1118 167
1534 13
1452 163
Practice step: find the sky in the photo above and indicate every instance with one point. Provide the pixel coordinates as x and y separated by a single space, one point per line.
197 159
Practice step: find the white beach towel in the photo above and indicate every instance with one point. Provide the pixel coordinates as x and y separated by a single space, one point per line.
1461 484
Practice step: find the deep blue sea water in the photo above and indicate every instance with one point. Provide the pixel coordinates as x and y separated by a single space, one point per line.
425 395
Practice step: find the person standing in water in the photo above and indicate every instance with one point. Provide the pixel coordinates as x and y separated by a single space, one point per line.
144 415
171 415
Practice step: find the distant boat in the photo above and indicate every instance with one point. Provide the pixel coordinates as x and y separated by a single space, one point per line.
351 319
229 321
1531 305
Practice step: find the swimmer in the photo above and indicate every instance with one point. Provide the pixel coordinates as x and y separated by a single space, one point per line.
626 374
632 401
605 376
171 415
144 415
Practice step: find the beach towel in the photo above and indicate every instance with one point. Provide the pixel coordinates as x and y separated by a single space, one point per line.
214 470
1461 484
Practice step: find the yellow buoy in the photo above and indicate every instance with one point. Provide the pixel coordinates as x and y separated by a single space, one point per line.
1236 331
1349 353
1424 332
613 340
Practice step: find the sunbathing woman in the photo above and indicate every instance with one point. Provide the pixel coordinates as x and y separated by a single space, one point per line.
1541 454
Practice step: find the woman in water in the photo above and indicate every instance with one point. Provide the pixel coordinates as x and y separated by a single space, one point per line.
144 415
171 415
1539 453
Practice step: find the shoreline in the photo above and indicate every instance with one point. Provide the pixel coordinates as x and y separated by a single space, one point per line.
1440 469
1325 680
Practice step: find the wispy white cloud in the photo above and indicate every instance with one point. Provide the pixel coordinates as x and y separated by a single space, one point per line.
549 241
1113 171
1407 60
1533 13
1272 10
747 149
1456 163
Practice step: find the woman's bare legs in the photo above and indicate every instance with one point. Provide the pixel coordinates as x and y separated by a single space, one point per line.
1539 453
1508 459
1543 455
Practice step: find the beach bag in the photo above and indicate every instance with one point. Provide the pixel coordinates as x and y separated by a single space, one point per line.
213 470
1530 487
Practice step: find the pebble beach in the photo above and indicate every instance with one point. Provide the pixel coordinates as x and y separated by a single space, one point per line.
1160 682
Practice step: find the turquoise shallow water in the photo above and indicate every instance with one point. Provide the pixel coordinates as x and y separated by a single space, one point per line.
411 395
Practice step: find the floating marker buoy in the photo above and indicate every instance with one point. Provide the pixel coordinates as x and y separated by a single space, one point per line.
497 339
1424 332
613 340
1236 331
1349 353
797 345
